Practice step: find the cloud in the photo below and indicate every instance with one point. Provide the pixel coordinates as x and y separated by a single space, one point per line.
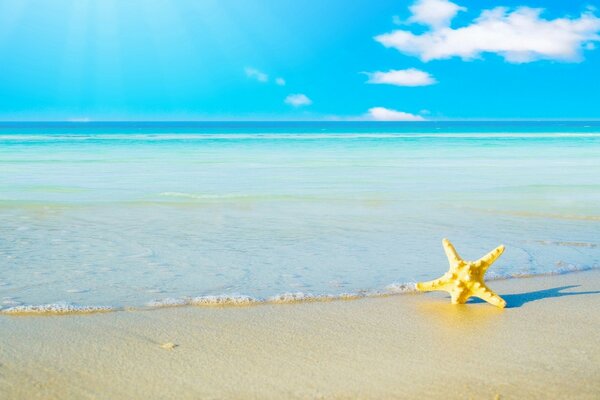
401 77
260 76
298 100
386 114
256 74
519 36
435 13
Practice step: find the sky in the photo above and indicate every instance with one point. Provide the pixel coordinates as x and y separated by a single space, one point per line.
80 60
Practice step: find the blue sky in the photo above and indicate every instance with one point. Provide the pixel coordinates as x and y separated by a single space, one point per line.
290 59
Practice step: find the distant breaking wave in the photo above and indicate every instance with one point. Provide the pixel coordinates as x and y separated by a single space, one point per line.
205 196
236 196
149 137
235 300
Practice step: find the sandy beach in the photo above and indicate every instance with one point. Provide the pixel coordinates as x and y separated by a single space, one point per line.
544 345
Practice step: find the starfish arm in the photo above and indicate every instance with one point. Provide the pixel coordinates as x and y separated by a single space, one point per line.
487 294
451 252
459 296
465 278
490 257
436 284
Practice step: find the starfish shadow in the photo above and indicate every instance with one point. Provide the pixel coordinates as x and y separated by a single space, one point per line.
518 299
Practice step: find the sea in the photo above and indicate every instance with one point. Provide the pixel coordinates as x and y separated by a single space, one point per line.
102 216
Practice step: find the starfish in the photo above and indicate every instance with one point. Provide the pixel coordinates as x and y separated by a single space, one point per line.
465 278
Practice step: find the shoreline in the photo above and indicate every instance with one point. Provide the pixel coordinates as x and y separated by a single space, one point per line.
238 300
542 346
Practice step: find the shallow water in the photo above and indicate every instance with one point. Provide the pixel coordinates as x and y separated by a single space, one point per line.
126 215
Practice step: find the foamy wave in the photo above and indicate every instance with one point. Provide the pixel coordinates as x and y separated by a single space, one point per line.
222 300
168 302
243 300
300 297
400 288
234 300
225 300
55 308
291 297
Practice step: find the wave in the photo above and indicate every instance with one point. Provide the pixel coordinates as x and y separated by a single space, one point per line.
56 309
567 244
238 300
240 196
222 300
149 137
209 196
242 300
533 214
397 288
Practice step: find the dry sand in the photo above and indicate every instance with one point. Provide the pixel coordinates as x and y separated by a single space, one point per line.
546 345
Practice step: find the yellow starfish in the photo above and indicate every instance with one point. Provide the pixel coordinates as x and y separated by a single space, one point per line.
465 278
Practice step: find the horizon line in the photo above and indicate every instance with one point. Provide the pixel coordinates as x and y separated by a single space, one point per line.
86 121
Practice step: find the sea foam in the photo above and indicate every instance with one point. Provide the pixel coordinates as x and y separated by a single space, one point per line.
235 300
224 300
55 308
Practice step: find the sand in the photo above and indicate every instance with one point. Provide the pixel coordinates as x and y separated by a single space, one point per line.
546 345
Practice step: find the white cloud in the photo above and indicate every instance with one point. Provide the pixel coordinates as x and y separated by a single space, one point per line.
519 36
435 13
256 74
401 77
298 100
386 114
280 81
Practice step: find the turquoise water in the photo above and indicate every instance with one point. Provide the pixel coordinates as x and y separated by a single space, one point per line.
135 215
